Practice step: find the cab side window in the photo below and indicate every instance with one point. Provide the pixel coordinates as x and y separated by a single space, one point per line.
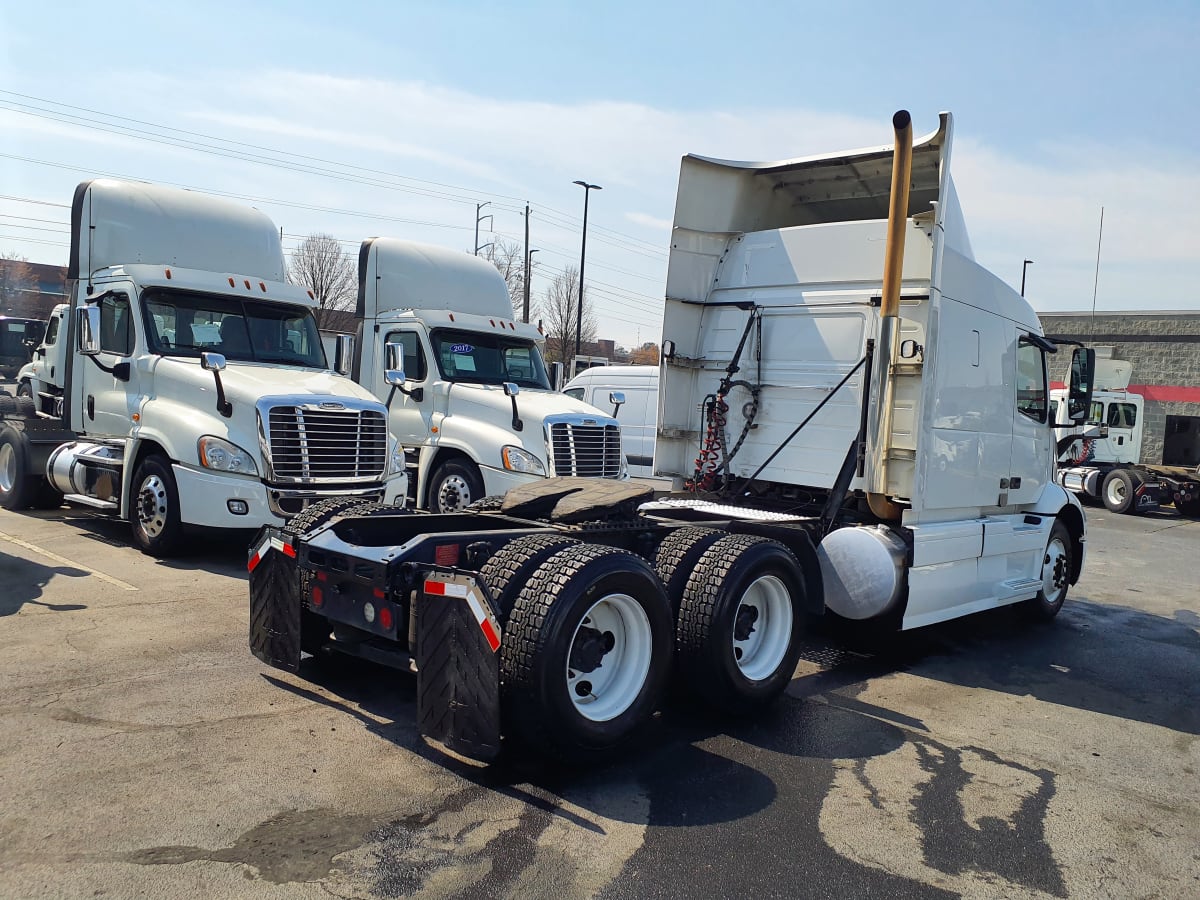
1031 381
1122 415
51 332
414 355
116 325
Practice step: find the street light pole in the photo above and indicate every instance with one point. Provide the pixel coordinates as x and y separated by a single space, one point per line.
587 188
1024 265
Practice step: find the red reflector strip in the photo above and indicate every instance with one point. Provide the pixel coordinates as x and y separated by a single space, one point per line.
445 588
258 554
485 624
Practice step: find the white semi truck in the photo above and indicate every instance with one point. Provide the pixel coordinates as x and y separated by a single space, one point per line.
474 409
1100 458
186 385
857 414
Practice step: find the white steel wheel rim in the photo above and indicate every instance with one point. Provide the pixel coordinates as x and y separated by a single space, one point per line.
762 628
8 468
454 494
602 693
1116 492
152 506
1054 571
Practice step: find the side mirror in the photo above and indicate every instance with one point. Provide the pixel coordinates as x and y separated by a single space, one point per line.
212 362
343 354
910 349
556 376
89 330
617 399
393 366
511 389
1083 370
668 349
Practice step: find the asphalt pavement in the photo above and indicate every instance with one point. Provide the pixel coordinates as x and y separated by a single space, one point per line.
145 753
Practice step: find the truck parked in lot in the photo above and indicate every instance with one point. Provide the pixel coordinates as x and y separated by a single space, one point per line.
1100 457
186 384
475 410
18 337
638 415
860 414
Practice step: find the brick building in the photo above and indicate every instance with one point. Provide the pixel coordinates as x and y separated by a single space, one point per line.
1164 348
31 290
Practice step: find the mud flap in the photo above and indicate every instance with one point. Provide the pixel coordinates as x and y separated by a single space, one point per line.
458 666
274 600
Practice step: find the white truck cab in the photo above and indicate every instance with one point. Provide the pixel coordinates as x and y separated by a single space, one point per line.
187 384
474 407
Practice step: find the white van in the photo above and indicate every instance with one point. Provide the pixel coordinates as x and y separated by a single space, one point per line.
639 414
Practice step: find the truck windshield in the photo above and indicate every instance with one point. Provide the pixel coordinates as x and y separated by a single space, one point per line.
482 358
186 324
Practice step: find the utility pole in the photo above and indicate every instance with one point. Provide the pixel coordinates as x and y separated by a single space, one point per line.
478 219
525 277
587 189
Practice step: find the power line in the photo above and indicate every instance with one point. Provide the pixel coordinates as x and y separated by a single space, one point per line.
214 146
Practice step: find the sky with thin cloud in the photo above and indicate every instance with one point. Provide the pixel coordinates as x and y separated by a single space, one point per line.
400 118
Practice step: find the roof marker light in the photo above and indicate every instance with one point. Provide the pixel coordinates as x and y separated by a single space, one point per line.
246 281
168 274
310 296
231 282
263 286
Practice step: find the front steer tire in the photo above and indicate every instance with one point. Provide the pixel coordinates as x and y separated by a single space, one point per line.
586 607
1057 565
154 508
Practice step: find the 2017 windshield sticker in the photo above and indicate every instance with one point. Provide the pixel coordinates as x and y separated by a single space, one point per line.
462 348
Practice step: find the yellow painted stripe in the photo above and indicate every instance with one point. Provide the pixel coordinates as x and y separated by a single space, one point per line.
62 560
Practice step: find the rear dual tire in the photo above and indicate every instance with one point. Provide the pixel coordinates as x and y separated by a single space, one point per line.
586 652
740 625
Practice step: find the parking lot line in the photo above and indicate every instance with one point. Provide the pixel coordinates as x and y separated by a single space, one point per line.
62 560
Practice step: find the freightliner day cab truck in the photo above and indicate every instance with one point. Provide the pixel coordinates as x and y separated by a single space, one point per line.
465 360
186 386
860 413
1100 457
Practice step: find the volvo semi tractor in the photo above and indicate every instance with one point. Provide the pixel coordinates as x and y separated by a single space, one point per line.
475 410
185 386
857 417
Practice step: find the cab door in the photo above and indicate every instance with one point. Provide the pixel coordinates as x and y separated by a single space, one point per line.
410 418
105 385
1030 465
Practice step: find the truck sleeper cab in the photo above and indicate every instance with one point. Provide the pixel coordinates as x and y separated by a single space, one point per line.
190 396
474 409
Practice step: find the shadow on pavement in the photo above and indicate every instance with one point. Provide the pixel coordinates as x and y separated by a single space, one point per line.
23 582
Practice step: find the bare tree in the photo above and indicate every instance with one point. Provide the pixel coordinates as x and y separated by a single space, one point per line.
321 265
559 309
645 355
509 259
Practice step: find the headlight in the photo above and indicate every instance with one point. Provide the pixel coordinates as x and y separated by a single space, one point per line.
518 460
396 466
223 456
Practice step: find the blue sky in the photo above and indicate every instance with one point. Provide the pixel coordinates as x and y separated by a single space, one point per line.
1060 108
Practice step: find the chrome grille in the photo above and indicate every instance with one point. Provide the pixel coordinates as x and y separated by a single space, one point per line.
327 445
592 451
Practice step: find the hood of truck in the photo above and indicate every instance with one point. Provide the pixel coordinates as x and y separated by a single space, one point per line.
489 402
181 403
